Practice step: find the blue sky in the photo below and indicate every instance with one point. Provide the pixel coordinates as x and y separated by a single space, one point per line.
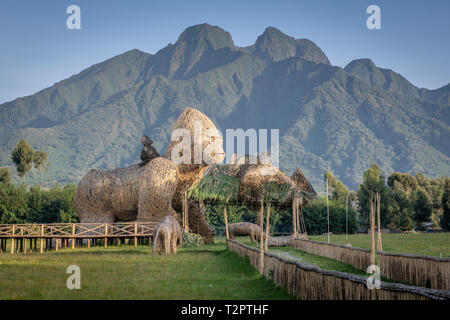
37 50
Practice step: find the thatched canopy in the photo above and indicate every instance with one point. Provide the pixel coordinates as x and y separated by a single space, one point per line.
301 182
247 184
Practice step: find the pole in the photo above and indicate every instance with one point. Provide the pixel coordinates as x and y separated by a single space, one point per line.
372 230
267 227
226 221
346 217
328 215
261 237
294 218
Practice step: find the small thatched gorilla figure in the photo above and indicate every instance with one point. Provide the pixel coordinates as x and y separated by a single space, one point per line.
148 152
168 236
244 229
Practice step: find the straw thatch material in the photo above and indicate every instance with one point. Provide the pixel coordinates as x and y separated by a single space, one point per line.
152 189
197 221
281 241
300 181
168 236
244 229
247 184
425 271
210 137
357 257
142 193
313 283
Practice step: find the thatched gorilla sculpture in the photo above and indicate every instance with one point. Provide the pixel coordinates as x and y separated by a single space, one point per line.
151 190
244 229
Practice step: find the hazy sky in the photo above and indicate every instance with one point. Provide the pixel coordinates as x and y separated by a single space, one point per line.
37 49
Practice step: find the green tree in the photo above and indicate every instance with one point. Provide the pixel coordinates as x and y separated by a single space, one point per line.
445 220
40 163
22 157
422 208
5 175
373 182
13 203
339 190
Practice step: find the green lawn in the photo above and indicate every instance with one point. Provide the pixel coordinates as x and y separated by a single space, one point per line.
123 272
431 244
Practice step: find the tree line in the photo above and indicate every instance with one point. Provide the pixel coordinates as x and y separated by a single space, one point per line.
407 201
22 204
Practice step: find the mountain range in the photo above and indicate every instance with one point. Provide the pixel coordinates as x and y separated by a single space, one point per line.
330 118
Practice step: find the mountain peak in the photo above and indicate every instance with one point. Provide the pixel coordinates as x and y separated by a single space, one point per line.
366 70
368 64
206 36
274 45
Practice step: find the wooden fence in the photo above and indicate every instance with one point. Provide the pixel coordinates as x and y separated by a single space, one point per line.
357 257
63 234
425 271
313 283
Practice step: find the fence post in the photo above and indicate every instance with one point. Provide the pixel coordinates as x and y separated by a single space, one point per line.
12 239
73 234
42 239
135 235
106 235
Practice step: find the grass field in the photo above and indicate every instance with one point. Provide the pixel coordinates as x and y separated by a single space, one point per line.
431 244
123 272
207 272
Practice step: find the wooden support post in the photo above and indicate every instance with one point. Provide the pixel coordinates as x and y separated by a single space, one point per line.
42 239
12 239
56 244
261 237
135 235
297 214
294 216
89 243
267 227
186 213
226 221
106 235
73 234
23 242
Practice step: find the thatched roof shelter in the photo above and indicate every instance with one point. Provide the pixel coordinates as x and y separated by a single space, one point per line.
248 184
301 182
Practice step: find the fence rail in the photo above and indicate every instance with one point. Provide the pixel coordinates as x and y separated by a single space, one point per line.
77 230
61 234
313 283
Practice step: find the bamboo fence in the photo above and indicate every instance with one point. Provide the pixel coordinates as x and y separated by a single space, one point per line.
313 283
357 257
425 271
